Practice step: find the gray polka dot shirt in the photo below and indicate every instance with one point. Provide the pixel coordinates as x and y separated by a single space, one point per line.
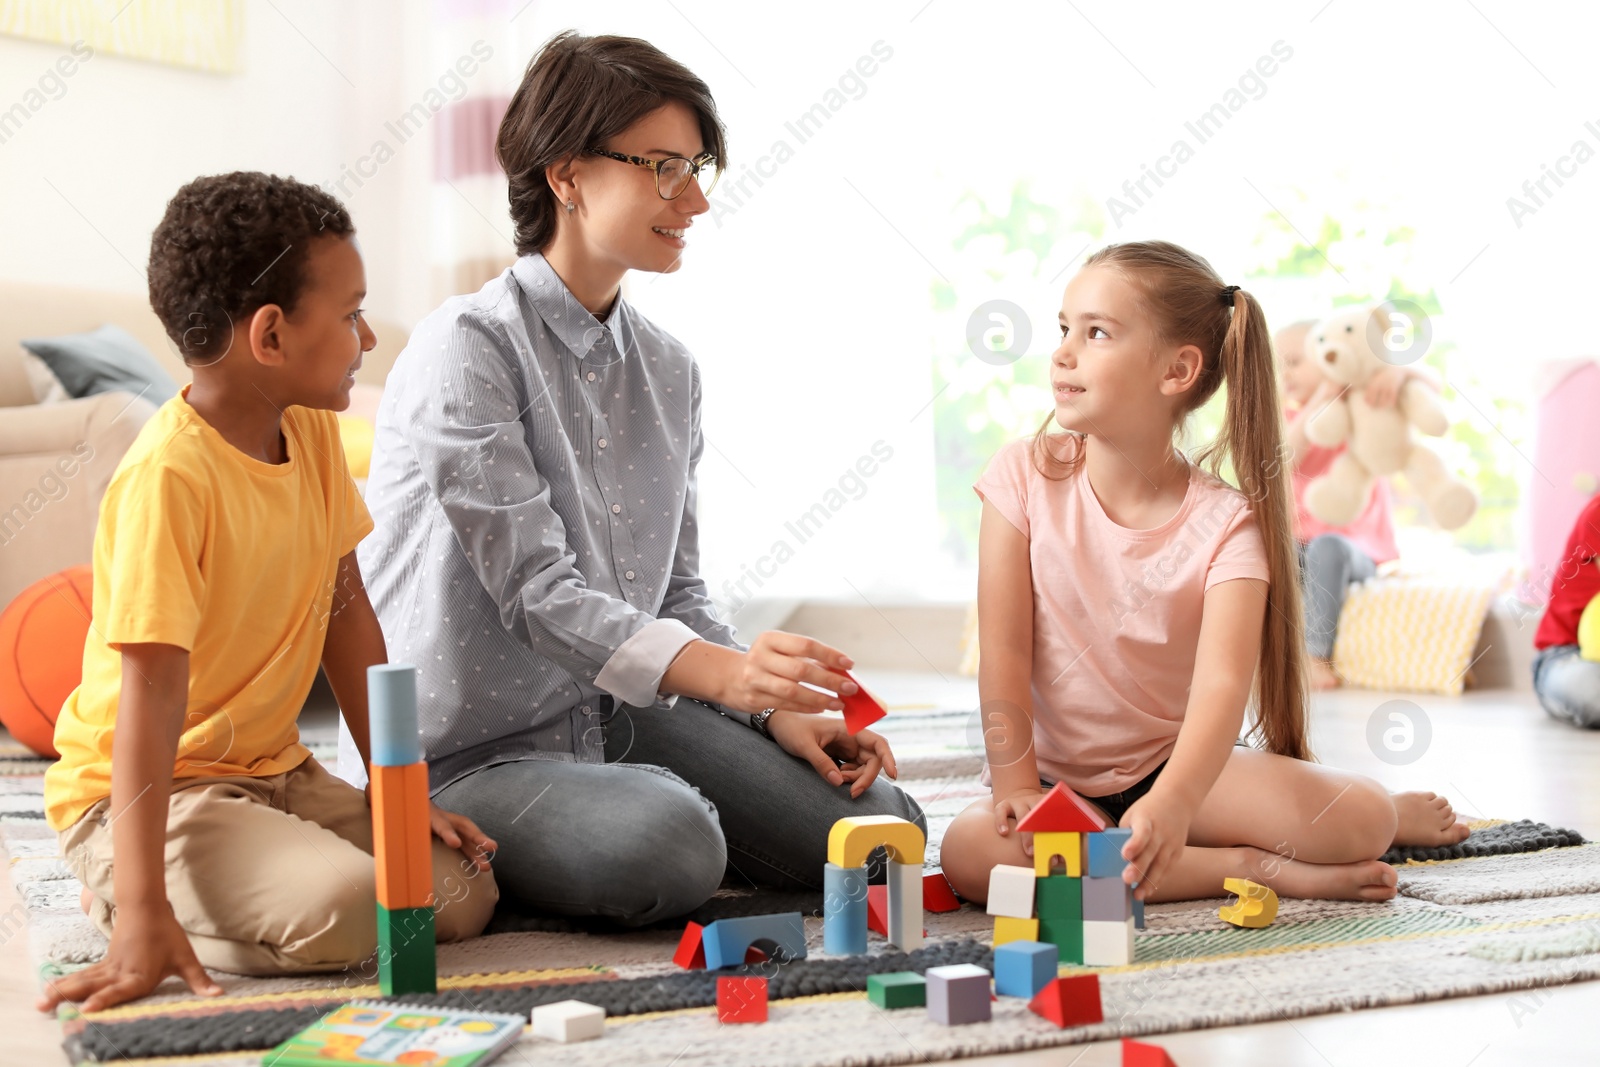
533 485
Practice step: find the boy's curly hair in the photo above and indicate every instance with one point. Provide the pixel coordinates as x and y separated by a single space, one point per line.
229 244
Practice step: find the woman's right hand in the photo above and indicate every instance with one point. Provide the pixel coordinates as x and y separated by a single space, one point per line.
769 675
1014 808
146 946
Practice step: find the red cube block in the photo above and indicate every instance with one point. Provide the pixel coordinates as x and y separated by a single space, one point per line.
742 999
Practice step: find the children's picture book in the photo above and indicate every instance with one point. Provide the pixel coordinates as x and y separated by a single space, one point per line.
373 1032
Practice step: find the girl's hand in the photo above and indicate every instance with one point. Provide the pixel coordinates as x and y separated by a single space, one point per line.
821 740
769 675
1014 808
1383 388
1160 828
460 832
146 946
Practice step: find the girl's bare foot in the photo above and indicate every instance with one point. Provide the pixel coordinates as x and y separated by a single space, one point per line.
85 899
1366 880
1427 821
1321 675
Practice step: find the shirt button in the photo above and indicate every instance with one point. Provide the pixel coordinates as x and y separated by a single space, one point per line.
602 442
586 710
591 376
628 575
616 509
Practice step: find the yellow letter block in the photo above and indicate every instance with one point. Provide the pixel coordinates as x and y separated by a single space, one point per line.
1256 907
1007 929
850 840
1064 843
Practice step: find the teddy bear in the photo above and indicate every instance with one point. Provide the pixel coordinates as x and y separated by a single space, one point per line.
1344 346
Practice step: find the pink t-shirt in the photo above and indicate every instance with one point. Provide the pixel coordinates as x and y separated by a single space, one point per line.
1116 614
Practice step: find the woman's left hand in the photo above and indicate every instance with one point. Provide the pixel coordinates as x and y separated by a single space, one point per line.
1160 825
822 739
460 832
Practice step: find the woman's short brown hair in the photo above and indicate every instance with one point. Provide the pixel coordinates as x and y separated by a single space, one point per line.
578 93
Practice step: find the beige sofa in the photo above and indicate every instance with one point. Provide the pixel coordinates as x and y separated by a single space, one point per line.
57 457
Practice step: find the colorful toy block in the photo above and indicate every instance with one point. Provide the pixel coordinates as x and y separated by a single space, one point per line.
726 940
1062 810
1071 1001
958 994
402 837
691 954
1256 907
852 840
897 989
1011 891
861 710
1137 1054
904 890
937 896
1107 899
1008 929
878 909
844 910
402 841
568 1020
407 959
1022 968
1060 898
1108 944
1138 913
741 999
1105 853
1067 844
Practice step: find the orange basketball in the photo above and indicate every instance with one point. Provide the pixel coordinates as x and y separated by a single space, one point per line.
41 654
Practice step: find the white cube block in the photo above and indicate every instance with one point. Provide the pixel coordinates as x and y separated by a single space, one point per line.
1108 944
568 1020
1011 891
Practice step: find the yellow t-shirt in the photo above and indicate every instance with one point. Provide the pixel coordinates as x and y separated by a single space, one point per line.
203 547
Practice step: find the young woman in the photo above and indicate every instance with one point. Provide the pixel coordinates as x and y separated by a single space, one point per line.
536 551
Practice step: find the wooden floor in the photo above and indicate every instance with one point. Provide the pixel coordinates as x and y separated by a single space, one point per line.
1493 752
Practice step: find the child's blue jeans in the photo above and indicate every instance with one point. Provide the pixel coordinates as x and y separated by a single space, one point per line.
1568 686
1329 563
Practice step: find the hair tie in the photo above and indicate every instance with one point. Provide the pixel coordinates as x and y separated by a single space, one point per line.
1227 294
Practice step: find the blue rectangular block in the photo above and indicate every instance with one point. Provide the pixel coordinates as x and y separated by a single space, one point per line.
1105 853
844 910
1106 900
392 714
725 940
1138 914
1022 968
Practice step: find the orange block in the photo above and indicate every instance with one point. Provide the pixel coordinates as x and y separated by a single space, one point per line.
402 842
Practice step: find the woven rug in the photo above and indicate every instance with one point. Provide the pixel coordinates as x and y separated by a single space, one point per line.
1510 919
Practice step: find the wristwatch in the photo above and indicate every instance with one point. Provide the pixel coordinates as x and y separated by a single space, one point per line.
758 723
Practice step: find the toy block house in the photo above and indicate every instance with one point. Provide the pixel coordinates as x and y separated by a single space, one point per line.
1074 897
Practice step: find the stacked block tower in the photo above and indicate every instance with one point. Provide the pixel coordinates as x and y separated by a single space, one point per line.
402 841
1085 909
844 879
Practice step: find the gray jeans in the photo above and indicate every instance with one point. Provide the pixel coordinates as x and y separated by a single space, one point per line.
1567 685
1329 563
685 798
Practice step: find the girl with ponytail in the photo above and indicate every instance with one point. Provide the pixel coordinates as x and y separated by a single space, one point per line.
1140 619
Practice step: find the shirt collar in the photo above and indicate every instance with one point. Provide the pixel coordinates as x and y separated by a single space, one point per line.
572 324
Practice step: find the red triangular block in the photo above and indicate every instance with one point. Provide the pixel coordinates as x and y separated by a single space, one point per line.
937 895
861 710
1135 1054
1070 1001
878 909
1062 811
691 954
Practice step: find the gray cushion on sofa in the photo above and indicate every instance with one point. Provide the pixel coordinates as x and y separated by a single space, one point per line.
106 360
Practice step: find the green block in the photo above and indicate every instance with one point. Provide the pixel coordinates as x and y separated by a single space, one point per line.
1066 935
1059 897
406 959
899 989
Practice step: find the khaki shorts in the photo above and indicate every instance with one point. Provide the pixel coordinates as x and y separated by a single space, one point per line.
274 875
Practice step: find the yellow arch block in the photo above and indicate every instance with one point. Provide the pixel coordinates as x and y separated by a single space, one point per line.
1256 907
1068 844
852 839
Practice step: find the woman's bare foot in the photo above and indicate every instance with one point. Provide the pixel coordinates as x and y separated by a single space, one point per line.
1322 675
1366 880
1427 821
85 899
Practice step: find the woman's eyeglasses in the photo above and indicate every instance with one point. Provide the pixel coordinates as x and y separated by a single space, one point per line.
674 173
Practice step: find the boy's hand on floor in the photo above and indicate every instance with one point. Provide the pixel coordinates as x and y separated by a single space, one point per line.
1015 808
1160 831
822 739
144 950
460 832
